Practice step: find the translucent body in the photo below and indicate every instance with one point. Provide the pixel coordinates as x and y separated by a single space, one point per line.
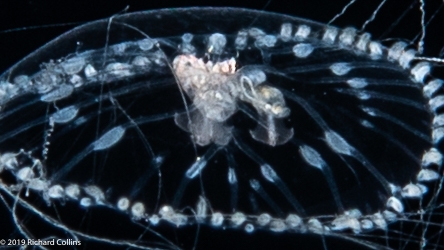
350 144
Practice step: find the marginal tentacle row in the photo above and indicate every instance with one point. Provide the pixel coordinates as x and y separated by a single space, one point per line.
29 179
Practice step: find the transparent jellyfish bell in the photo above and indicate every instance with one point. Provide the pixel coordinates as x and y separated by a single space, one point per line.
104 112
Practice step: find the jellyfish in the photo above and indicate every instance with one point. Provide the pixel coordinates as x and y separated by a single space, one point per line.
200 127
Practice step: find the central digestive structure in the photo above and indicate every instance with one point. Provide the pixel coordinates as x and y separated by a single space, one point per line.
215 90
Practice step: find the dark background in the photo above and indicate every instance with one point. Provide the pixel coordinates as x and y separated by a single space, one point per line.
29 19
27 25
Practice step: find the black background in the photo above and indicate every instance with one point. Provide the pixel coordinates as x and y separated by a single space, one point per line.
28 19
